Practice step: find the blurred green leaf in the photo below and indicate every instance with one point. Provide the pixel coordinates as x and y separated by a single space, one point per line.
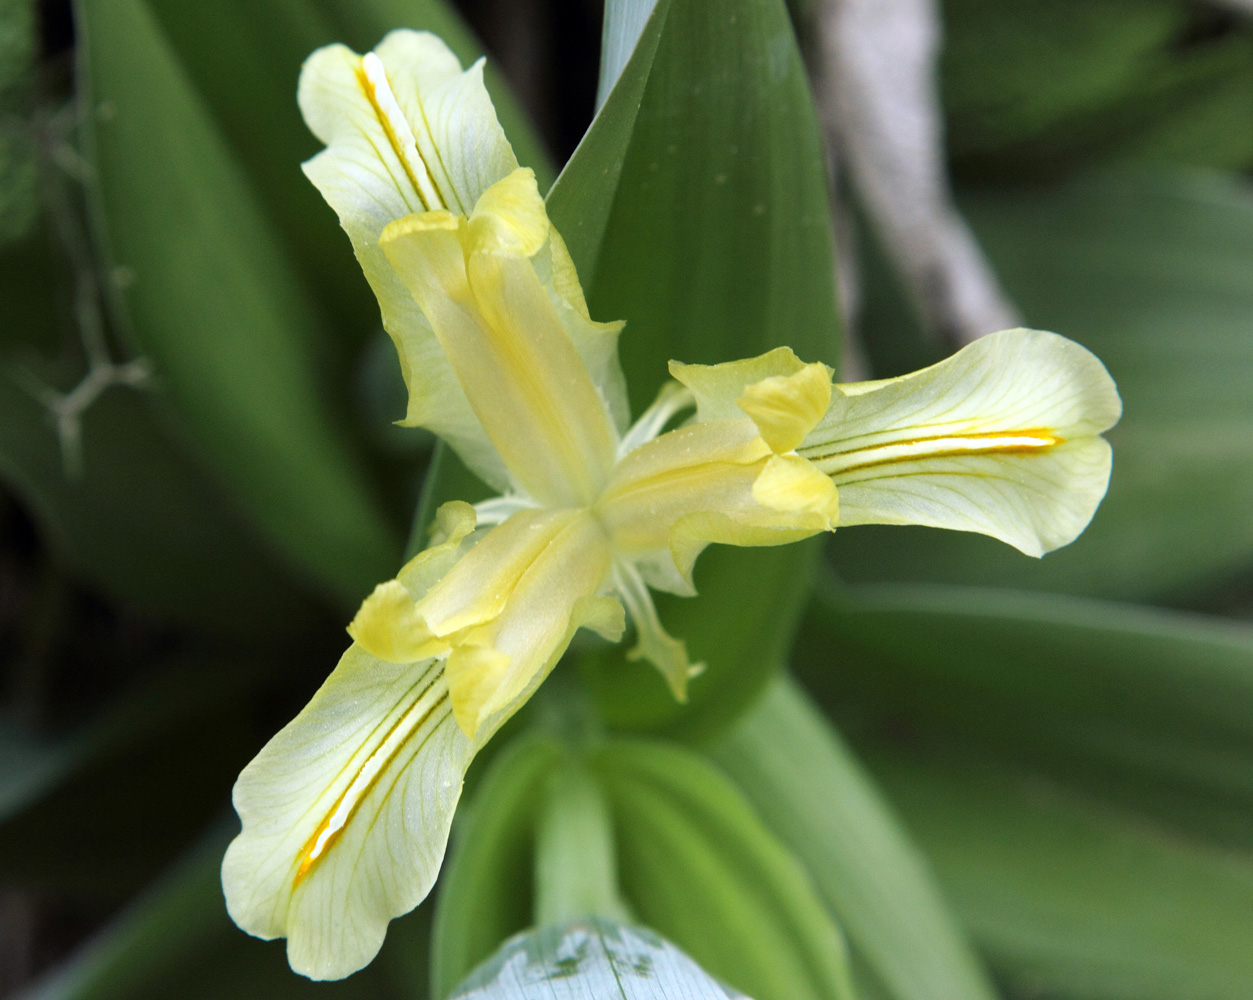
814 794
591 960
1038 89
140 521
201 284
697 864
1153 709
1155 274
19 202
485 887
178 917
101 810
1070 899
176 940
716 246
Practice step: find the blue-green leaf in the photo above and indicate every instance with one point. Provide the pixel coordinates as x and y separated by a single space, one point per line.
592 959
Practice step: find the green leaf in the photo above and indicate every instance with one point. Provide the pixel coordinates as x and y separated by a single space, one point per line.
101 810
19 187
591 960
697 864
718 243
173 921
814 794
696 210
1151 272
1070 899
175 940
1038 89
740 626
201 285
139 520
1153 709
485 887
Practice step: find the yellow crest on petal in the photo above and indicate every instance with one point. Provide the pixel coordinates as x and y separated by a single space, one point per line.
786 408
790 484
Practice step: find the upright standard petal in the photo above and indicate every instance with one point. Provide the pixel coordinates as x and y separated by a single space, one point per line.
497 324
1002 438
407 131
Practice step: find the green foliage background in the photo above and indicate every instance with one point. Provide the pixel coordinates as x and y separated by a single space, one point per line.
919 767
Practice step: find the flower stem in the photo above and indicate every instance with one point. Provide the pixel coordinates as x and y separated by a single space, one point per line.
576 869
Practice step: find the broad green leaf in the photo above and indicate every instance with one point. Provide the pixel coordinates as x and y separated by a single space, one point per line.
175 920
202 287
139 520
718 244
175 940
592 959
102 809
583 196
1039 89
705 170
1150 708
1151 272
698 865
19 188
814 794
485 887
142 522
1068 898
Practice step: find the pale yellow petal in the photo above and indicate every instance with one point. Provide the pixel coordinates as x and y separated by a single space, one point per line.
374 171
388 625
791 485
786 408
346 813
718 388
476 589
597 343
509 217
500 330
454 121
1001 438
702 466
696 485
497 665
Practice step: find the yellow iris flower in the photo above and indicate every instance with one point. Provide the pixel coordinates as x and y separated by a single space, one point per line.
346 811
